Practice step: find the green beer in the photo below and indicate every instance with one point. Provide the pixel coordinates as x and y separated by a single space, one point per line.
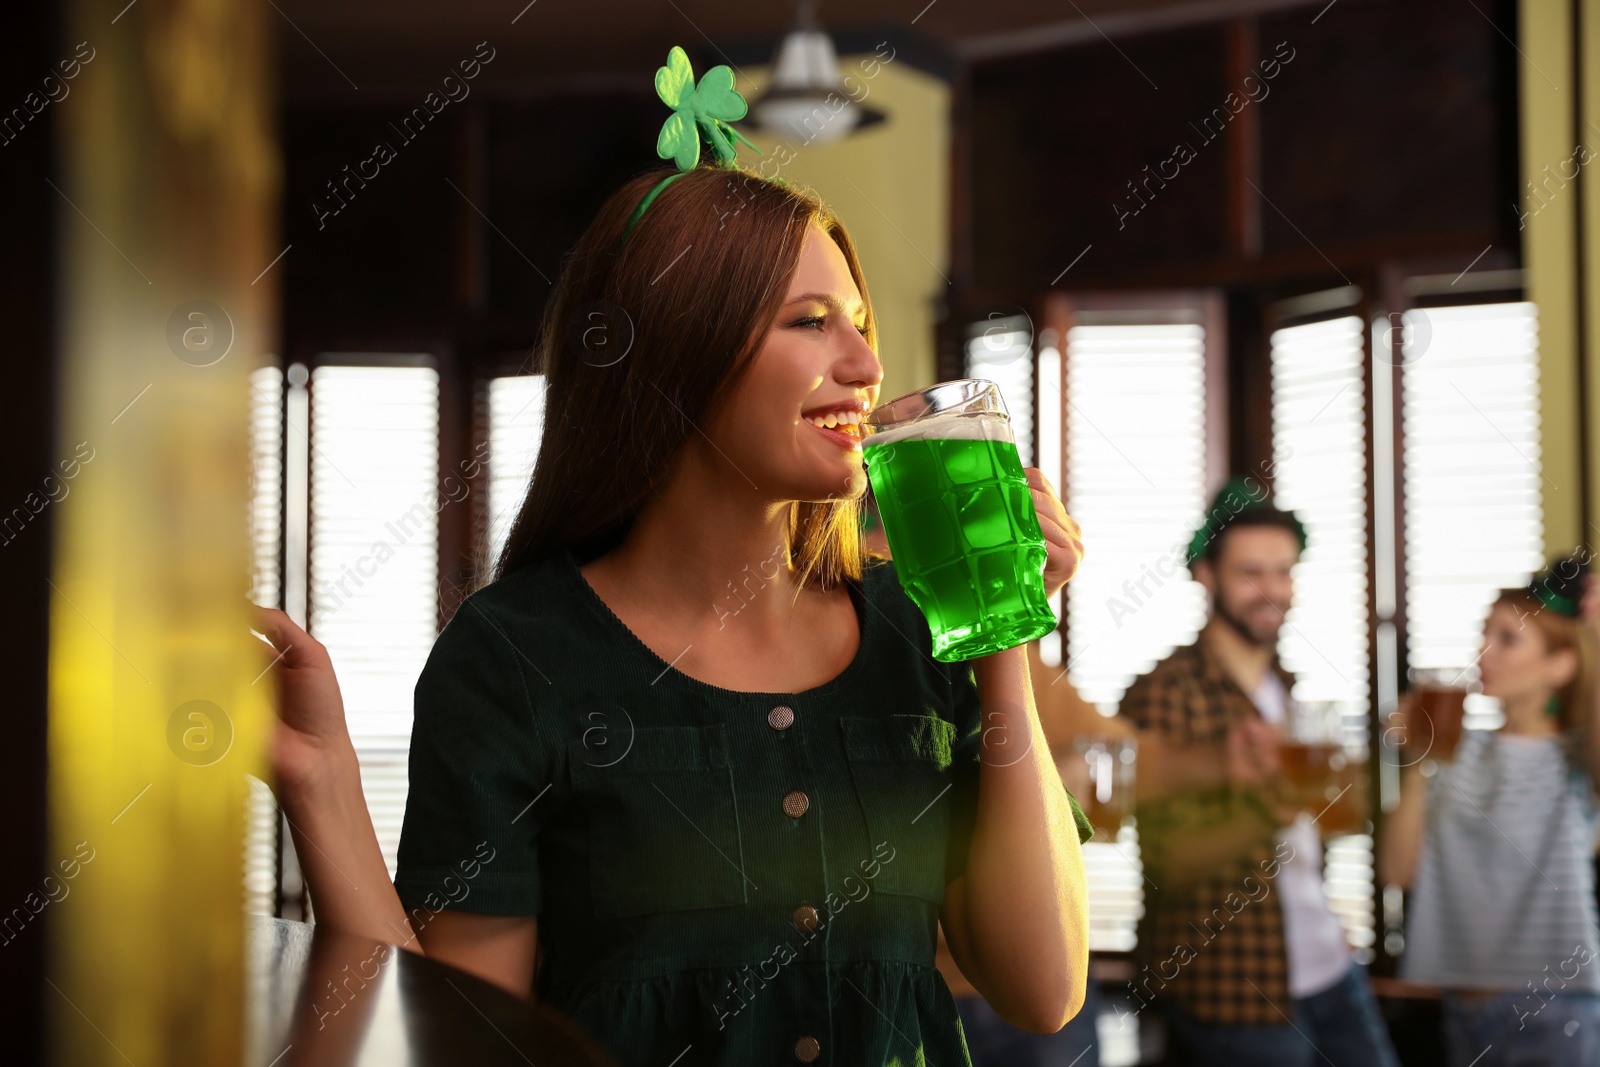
959 518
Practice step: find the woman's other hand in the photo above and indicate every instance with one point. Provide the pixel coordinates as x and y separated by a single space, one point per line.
311 742
318 779
1063 537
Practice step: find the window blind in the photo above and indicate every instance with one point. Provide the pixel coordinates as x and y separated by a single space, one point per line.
265 519
1114 876
266 485
374 558
1474 521
1001 351
516 424
1134 469
1136 478
1047 430
1320 473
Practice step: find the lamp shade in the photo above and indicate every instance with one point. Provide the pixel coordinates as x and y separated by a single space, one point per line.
807 99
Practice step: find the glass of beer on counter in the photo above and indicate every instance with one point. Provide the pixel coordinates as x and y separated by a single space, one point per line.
959 517
1325 769
1100 775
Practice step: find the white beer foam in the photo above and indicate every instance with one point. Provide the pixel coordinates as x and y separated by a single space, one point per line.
955 426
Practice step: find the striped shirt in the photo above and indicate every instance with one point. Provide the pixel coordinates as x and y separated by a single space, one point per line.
1504 892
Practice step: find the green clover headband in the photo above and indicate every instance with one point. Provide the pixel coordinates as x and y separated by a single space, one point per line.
1561 605
698 112
1222 511
1558 590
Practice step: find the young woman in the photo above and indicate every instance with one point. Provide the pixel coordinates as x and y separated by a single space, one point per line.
1495 841
687 751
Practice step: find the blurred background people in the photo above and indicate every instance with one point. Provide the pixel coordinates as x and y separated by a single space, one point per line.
1494 836
1238 947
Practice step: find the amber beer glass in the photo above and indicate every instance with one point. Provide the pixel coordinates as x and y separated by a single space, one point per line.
1326 775
1101 778
1440 708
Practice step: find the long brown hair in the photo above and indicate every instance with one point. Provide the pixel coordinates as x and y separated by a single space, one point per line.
640 343
1561 632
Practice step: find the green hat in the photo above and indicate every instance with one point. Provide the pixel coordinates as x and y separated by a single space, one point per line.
1235 497
1559 586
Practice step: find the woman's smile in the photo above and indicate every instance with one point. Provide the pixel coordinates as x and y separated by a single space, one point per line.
842 423
842 429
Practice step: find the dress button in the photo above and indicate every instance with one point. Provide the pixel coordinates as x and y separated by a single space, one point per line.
807 1049
780 717
806 918
795 804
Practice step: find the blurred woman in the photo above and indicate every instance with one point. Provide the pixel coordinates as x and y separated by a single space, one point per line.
1495 840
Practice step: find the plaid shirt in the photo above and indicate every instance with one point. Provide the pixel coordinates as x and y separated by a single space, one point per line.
1214 943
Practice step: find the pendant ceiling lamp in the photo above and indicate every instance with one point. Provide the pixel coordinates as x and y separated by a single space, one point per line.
807 99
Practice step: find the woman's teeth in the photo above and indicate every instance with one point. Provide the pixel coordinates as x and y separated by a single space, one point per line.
843 421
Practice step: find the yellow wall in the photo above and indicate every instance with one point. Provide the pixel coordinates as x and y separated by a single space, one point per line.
890 184
1552 129
1589 133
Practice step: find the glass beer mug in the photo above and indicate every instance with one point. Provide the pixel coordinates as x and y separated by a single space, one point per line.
1326 773
959 517
1440 709
1101 779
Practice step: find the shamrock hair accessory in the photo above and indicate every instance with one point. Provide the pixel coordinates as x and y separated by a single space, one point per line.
1231 499
1559 586
699 112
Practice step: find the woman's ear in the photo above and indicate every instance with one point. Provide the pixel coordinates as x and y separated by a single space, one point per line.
1560 667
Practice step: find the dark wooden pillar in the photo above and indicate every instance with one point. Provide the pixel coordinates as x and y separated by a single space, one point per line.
29 50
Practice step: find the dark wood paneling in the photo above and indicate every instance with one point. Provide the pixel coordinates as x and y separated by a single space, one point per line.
1390 132
1393 119
461 237
1249 383
1060 144
550 168
389 256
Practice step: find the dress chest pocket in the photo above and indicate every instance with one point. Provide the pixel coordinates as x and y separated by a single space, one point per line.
901 766
663 823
